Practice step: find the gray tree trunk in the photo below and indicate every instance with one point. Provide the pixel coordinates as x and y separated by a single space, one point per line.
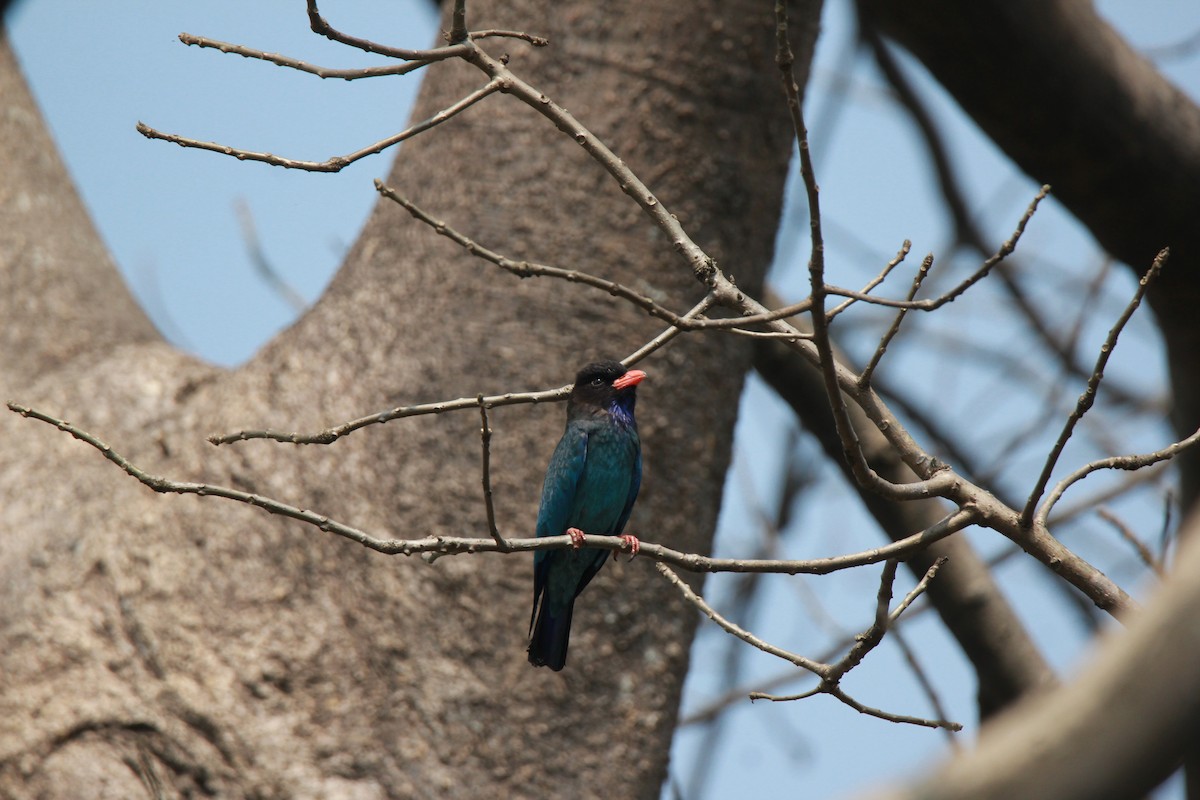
175 646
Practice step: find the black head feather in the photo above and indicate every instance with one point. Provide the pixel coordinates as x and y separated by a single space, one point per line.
594 390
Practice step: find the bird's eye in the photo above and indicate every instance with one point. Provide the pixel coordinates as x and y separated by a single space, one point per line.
597 381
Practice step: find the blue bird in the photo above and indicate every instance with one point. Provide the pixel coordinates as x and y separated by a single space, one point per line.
591 484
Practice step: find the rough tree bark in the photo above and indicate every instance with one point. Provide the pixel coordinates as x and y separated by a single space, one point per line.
183 645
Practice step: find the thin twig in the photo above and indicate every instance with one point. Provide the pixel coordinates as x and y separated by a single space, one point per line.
335 163
702 265
262 265
1128 483
1126 533
864 379
785 698
887 716
453 545
803 662
928 688
714 707
303 66
526 269
485 436
1089 394
706 302
1128 462
458 22
322 28
867 641
877 280
932 304
330 435
917 590
966 230
828 685
851 449
787 337
488 33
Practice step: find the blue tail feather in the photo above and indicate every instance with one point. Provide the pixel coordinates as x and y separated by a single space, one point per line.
551 633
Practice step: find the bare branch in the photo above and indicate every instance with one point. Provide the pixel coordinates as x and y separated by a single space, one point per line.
322 28
917 590
458 22
536 41
825 672
1131 482
935 478
1125 532
1089 394
1130 462
302 66
666 336
877 280
870 639
784 59
330 435
1139 690
262 265
887 716
453 545
702 265
864 379
899 639
787 337
1006 249
814 667
336 163
525 269
485 436
937 481
867 641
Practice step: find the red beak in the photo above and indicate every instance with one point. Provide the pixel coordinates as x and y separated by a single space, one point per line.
631 378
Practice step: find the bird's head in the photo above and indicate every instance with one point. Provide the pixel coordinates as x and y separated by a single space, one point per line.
605 387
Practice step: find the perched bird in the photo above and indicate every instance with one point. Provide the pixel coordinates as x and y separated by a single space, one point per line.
591 483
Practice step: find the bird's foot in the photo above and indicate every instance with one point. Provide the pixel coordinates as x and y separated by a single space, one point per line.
576 537
634 544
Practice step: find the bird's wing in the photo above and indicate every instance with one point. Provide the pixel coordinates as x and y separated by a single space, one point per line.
563 476
635 484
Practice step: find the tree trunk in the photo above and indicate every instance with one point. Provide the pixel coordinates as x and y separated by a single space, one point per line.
182 645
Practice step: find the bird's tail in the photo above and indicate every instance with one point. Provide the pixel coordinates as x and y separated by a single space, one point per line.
551 632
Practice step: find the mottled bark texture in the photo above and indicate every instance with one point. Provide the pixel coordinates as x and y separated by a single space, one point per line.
190 646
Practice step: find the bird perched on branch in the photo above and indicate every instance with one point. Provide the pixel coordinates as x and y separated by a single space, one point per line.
591 483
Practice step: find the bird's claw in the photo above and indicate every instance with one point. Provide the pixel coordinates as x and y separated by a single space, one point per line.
576 537
634 545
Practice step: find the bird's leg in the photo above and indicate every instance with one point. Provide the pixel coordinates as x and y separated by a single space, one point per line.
576 537
634 544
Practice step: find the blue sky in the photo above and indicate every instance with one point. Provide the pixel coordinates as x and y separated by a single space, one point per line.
170 218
